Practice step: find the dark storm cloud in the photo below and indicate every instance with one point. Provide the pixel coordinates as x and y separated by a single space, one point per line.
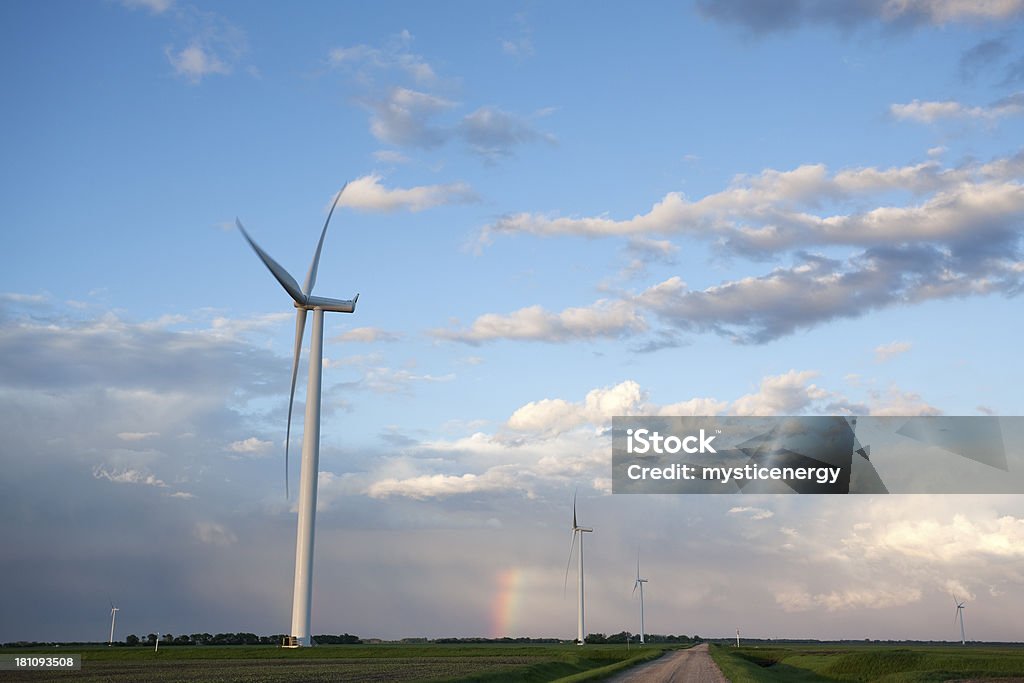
981 57
768 16
761 309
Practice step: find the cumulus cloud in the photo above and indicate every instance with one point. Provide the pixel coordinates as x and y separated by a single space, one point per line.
603 319
550 441
775 210
930 111
443 485
368 194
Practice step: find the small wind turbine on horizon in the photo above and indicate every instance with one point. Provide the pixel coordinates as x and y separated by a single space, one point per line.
640 583
113 618
304 301
577 529
960 613
737 637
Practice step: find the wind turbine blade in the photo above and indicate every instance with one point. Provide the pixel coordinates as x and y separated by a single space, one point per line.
637 583
275 268
300 328
574 524
572 544
311 277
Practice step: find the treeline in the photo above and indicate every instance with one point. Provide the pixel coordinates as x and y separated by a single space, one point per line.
232 639
489 641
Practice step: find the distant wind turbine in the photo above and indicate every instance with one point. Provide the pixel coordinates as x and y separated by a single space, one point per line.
304 301
960 613
577 529
640 583
113 617
737 637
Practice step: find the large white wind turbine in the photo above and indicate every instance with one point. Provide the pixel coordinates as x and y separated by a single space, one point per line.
577 529
640 584
960 613
113 618
304 301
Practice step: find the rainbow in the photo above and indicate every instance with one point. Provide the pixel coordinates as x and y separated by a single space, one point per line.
506 604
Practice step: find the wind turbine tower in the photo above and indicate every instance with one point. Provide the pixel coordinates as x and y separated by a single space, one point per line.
960 613
113 618
640 584
304 301
737 637
577 529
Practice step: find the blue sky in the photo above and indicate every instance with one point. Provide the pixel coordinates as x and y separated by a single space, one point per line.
556 214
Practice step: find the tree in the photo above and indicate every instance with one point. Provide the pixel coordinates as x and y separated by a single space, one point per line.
131 640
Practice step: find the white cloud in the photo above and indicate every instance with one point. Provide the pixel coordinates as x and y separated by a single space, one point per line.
368 194
444 485
196 62
213 533
250 446
603 319
128 476
949 11
932 111
884 352
781 210
787 394
367 335
753 513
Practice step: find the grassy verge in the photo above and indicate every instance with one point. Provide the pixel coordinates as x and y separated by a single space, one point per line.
459 663
868 663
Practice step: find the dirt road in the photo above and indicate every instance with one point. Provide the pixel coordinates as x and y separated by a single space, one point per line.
690 666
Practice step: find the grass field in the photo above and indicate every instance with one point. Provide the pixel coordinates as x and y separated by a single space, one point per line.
869 662
268 664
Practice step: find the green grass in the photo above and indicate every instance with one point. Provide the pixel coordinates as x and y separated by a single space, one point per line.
868 663
461 663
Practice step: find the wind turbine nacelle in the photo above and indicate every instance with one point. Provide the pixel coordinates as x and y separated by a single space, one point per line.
324 304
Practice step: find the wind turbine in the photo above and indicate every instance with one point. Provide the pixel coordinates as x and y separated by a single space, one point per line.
304 301
640 583
960 613
737 637
113 617
576 528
